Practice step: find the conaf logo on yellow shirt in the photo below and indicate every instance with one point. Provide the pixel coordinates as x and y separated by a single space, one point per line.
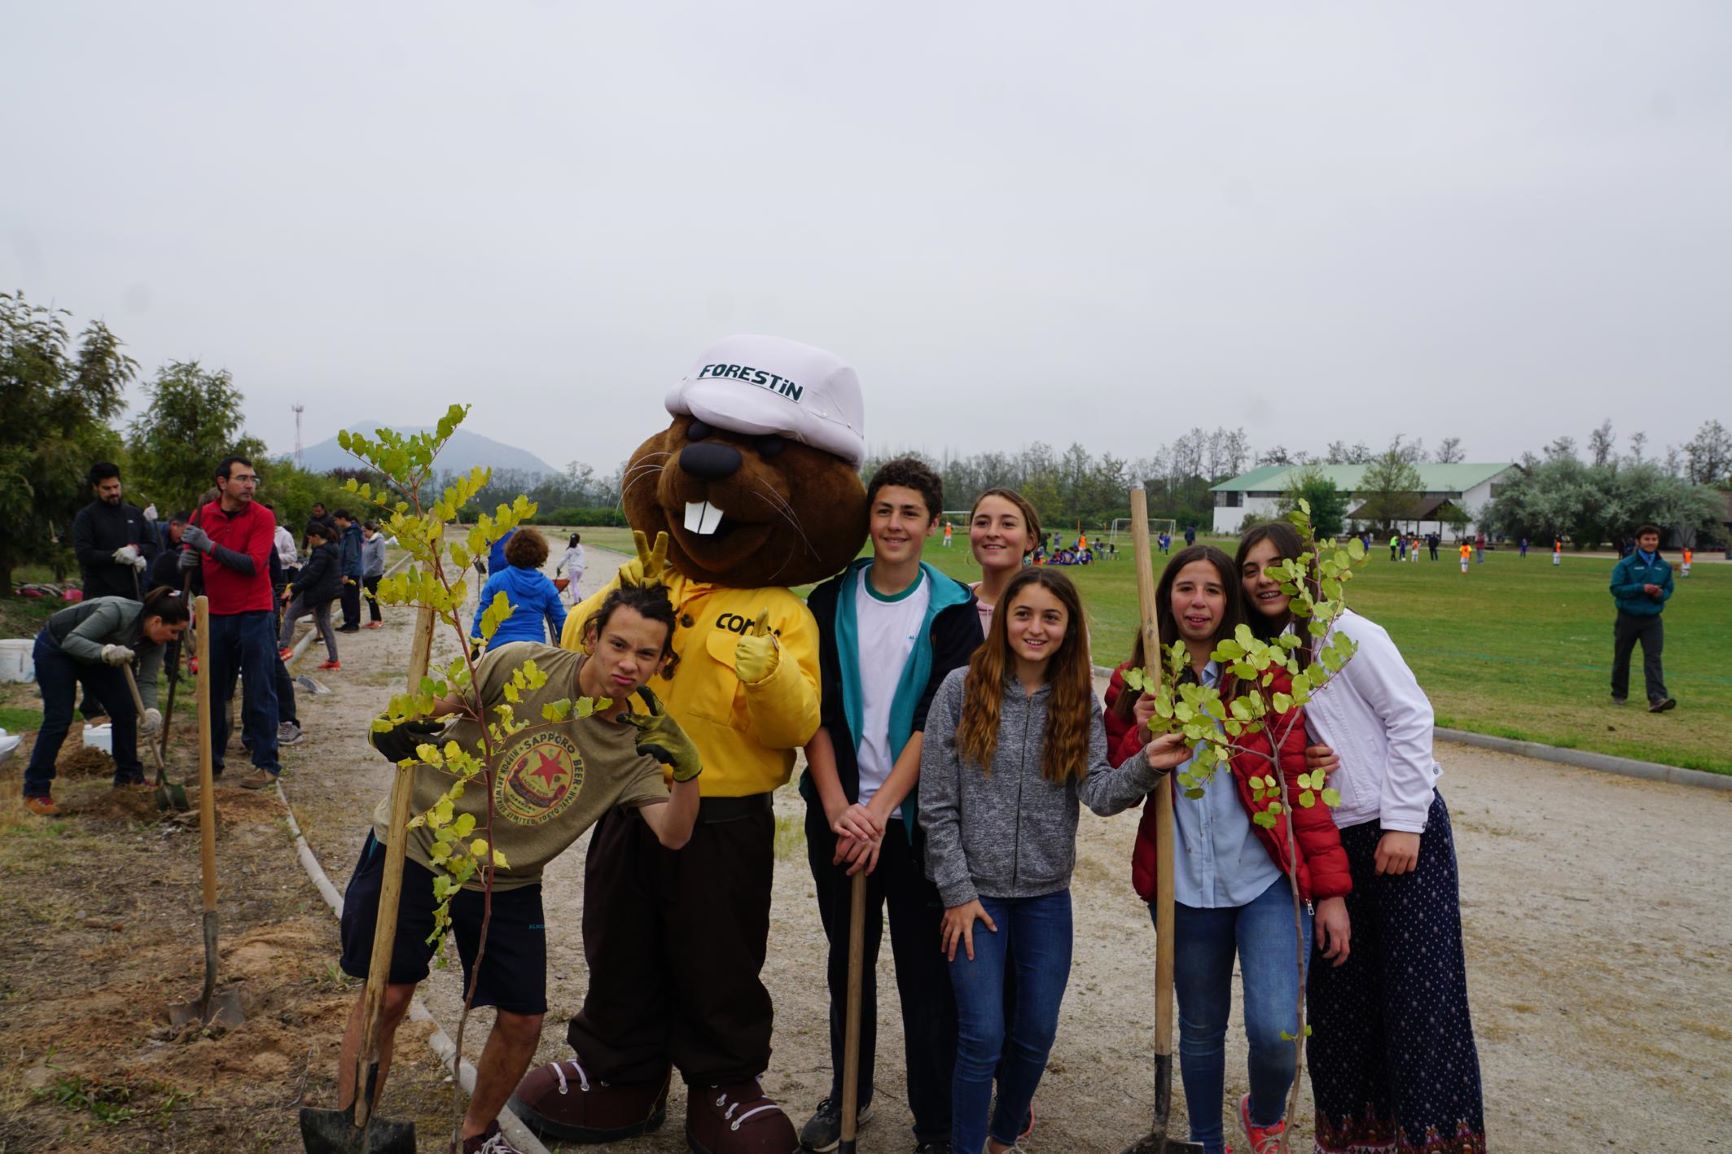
542 775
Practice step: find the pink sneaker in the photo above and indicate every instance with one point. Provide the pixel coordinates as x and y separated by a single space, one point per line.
1261 1139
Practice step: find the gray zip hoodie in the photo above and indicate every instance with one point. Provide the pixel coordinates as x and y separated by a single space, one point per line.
1011 833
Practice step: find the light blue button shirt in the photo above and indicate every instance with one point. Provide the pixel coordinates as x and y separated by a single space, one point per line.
1219 861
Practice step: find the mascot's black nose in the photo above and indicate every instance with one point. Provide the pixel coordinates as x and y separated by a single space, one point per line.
710 460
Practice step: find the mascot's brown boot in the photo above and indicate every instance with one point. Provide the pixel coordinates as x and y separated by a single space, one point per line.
560 1100
737 1119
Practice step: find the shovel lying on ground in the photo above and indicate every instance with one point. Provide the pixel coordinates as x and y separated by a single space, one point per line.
358 1130
169 795
222 1009
1156 1140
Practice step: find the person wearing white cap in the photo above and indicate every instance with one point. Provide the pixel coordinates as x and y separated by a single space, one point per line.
755 481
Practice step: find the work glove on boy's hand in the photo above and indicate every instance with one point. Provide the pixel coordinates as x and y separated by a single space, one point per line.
140 564
116 655
150 723
758 651
126 555
188 560
197 538
661 738
399 744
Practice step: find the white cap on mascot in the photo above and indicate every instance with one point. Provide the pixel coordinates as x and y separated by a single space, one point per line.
769 385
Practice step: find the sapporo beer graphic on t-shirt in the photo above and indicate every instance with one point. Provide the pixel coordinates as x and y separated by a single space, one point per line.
541 773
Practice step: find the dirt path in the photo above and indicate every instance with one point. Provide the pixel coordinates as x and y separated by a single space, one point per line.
1596 930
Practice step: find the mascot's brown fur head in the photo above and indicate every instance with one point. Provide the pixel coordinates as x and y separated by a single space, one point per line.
756 480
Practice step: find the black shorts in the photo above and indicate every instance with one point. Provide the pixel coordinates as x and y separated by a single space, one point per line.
514 970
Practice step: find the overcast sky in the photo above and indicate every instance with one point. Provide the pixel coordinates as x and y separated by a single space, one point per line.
1019 221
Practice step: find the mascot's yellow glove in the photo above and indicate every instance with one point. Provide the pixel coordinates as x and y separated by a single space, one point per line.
660 738
650 565
756 655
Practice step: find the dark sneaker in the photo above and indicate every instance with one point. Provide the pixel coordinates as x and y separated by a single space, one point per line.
932 1148
737 1119
1661 705
560 1100
489 1141
288 733
1620 701
823 1130
259 779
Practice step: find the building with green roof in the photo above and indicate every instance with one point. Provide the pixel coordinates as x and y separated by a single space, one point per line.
1465 486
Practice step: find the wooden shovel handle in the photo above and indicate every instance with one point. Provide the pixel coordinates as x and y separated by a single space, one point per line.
390 891
851 1019
206 756
1163 798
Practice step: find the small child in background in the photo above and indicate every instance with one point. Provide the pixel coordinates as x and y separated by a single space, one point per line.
1466 555
1684 568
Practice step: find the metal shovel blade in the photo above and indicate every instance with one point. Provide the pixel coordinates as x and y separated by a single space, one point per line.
1156 1140
212 1008
335 1132
170 795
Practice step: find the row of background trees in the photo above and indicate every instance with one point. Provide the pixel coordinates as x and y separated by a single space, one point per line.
63 396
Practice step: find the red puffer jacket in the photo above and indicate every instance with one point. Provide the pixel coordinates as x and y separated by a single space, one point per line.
1323 869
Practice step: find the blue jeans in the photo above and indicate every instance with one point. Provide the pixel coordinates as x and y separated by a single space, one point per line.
245 643
1034 941
58 677
1205 940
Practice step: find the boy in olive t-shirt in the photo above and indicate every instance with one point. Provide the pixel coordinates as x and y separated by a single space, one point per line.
549 783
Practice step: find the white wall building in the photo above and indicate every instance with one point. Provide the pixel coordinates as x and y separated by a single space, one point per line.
1466 486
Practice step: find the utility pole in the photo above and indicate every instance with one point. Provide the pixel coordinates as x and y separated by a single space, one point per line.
299 409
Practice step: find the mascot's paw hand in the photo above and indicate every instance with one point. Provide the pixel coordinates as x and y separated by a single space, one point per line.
756 655
650 565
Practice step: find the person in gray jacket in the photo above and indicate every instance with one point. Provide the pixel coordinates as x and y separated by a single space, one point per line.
372 570
86 645
1013 744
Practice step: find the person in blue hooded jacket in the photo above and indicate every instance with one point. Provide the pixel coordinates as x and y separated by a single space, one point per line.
535 603
1641 585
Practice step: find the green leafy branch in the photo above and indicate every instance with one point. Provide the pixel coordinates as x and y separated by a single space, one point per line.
463 852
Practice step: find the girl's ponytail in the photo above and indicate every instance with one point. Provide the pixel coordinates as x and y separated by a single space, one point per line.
166 603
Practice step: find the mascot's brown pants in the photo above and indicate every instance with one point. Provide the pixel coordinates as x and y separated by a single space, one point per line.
675 942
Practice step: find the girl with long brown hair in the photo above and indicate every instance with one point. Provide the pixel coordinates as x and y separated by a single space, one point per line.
1003 529
1014 743
1393 1060
1230 882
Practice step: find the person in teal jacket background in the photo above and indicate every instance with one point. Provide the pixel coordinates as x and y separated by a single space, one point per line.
1641 585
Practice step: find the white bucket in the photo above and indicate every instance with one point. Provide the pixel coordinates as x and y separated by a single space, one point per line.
16 662
100 737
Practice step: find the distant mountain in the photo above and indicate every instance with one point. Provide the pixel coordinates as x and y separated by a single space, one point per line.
463 452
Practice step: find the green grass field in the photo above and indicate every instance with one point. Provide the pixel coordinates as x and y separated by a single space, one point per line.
1516 648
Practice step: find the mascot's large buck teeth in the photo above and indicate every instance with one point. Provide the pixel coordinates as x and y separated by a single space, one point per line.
702 518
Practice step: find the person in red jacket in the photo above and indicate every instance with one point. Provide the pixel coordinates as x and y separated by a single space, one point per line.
230 542
1231 887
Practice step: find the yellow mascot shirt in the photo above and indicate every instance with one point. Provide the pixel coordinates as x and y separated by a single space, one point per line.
746 734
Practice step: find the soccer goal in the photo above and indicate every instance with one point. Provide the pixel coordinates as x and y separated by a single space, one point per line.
1120 531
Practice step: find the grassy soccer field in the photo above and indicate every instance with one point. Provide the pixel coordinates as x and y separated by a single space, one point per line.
1517 648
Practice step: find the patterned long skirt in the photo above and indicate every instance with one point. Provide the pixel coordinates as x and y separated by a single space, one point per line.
1393 1064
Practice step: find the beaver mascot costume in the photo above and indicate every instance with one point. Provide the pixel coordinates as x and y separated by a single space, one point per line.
756 483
